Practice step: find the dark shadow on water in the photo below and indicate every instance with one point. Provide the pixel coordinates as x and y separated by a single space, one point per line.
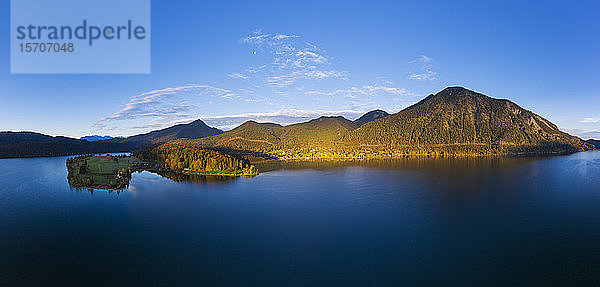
400 164
198 179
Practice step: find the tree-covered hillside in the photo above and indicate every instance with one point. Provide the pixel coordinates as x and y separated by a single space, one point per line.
194 160
194 130
370 116
458 117
595 143
268 137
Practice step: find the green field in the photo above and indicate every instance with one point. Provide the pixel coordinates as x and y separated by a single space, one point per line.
108 172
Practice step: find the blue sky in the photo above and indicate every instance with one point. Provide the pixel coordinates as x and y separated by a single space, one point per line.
226 62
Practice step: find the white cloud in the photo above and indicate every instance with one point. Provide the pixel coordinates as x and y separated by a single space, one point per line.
366 97
238 76
590 120
281 80
255 37
283 36
427 76
423 59
321 93
367 90
391 90
425 72
326 74
305 57
164 106
292 60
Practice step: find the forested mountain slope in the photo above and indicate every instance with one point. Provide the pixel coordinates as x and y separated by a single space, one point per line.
595 143
194 130
265 137
370 116
457 116
455 121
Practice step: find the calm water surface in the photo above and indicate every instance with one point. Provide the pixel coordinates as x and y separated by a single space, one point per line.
412 222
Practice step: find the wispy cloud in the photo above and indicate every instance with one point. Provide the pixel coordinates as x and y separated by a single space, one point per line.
391 90
367 90
292 60
584 134
281 80
425 72
590 120
288 75
367 97
326 74
256 37
164 106
238 76
283 36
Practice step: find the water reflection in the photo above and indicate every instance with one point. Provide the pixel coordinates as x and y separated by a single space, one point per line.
199 179
401 164
75 180
472 171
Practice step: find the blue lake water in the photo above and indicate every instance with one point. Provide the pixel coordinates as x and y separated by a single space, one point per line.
445 222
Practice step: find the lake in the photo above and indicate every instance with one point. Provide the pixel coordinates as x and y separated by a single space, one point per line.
443 222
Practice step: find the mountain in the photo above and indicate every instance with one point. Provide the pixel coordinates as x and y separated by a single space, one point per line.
248 136
95 138
266 137
455 121
323 130
461 121
194 130
595 143
371 116
30 144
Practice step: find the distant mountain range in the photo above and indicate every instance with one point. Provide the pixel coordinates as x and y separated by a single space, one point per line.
96 138
455 121
30 144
